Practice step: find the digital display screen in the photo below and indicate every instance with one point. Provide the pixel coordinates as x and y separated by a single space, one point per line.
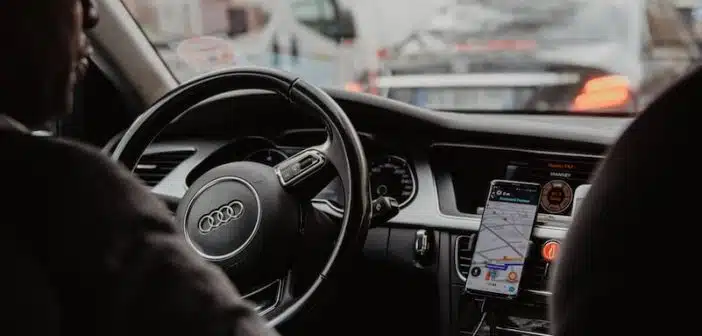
559 175
558 180
504 238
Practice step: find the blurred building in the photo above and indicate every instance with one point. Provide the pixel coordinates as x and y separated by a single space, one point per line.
691 12
167 20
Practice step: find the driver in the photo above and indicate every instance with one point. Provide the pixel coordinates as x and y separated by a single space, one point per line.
86 248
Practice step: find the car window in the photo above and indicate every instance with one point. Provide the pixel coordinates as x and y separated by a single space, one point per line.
313 11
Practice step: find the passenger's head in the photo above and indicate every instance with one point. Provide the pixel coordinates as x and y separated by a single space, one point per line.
44 53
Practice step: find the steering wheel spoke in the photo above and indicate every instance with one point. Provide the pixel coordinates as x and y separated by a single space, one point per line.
267 298
273 297
284 297
309 171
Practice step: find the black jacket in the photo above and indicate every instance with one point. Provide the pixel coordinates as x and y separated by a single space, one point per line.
87 248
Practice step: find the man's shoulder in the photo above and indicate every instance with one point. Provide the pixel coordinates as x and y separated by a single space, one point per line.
65 156
81 173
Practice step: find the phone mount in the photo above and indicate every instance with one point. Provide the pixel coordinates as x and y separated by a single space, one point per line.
491 311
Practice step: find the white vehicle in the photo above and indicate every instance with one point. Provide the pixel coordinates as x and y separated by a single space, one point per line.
316 39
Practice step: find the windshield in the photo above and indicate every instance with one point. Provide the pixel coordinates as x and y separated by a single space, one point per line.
605 57
558 22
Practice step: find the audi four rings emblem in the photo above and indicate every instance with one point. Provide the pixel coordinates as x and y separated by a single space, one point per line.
220 216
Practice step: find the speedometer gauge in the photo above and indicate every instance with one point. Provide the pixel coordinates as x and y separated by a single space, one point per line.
392 176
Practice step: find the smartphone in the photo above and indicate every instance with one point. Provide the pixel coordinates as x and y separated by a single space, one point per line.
504 239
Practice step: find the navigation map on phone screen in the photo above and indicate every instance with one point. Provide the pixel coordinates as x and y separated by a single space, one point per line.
504 238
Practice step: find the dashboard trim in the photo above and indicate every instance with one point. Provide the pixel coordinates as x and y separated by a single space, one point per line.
520 332
515 149
276 140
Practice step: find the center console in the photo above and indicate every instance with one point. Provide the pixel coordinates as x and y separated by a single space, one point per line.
462 175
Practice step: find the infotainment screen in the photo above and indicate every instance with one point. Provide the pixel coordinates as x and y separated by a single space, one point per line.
463 183
558 180
558 175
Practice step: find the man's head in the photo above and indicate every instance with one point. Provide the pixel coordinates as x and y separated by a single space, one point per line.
44 54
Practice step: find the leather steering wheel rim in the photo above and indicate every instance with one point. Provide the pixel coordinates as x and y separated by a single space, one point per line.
353 173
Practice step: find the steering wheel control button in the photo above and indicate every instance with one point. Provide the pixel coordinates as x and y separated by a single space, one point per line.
549 251
298 166
423 248
384 209
222 218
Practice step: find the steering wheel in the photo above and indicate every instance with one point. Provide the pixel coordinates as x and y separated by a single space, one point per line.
244 216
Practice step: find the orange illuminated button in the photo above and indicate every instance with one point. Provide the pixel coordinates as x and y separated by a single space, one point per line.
512 276
550 250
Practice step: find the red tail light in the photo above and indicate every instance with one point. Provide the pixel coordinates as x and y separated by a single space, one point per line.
353 87
603 93
382 53
373 83
368 84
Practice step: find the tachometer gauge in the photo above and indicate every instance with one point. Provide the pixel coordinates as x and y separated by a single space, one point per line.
392 176
556 196
268 156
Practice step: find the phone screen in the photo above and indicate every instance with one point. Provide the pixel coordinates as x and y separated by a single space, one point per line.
504 238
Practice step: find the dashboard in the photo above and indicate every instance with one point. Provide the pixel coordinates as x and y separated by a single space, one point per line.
390 172
438 166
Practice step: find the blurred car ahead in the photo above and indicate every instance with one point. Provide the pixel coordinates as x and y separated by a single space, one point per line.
570 55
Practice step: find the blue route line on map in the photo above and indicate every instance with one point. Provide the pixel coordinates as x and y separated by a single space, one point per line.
502 267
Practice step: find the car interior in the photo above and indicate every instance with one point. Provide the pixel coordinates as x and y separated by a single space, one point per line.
370 207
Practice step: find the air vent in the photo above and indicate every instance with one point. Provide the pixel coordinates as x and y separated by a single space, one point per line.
152 168
537 269
464 255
